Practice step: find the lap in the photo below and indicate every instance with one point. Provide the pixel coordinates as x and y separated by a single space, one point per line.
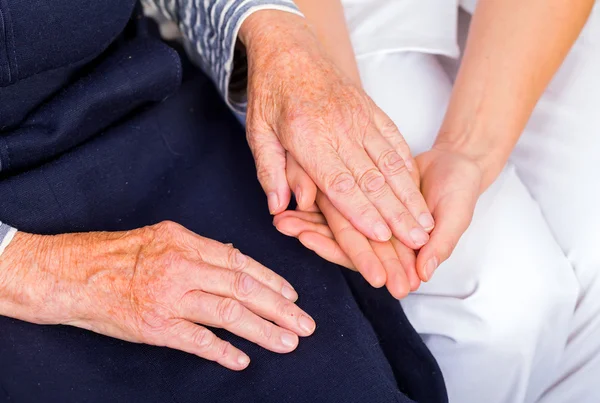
473 311
187 161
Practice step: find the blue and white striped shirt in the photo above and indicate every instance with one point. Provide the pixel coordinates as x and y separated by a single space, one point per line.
209 29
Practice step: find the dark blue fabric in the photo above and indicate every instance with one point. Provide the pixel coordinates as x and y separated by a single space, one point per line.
101 163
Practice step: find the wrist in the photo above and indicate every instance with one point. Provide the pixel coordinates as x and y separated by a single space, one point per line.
263 27
21 277
488 157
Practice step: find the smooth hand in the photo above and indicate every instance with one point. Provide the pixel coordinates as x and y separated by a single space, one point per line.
301 103
157 285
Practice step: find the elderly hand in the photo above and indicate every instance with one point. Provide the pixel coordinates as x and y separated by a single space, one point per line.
300 102
153 285
321 228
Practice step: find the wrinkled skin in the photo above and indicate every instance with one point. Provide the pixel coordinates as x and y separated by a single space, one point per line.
299 102
156 285
451 184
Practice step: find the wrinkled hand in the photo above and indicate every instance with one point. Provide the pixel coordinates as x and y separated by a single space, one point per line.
321 228
153 286
301 103
451 185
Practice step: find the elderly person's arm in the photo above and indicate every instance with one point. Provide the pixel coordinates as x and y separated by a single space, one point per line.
157 285
160 284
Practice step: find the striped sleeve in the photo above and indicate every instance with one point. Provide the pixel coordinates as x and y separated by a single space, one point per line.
7 233
210 29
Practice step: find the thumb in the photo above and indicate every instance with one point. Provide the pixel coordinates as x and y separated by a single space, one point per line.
270 158
452 215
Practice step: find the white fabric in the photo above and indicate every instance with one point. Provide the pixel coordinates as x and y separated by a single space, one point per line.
7 239
383 26
514 315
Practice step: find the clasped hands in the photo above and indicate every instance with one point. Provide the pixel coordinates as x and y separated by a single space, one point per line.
363 201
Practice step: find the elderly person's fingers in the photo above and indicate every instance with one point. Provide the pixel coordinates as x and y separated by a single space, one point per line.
392 135
270 159
400 179
342 187
327 123
255 296
231 315
148 286
226 256
193 339
301 184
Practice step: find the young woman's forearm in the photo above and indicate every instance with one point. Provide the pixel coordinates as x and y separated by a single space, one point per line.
514 49
326 17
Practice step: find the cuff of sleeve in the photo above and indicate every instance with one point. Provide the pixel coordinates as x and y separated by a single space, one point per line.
232 77
7 233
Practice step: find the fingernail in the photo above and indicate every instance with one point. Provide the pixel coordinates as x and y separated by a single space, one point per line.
243 360
419 236
289 293
382 232
288 339
430 267
298 193
426 221
273 200
306 324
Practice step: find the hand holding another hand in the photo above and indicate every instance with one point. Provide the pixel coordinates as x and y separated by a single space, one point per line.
299 102
451 185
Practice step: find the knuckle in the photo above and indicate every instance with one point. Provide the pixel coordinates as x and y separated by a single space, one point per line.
244 286
367 212
224 349
342 183
391 162
372 181
203 339
412 198
265 331
389 130
237 260
167 227
230 311
401 217
284 309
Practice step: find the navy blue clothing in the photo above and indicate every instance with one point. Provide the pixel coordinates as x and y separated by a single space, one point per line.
113 138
